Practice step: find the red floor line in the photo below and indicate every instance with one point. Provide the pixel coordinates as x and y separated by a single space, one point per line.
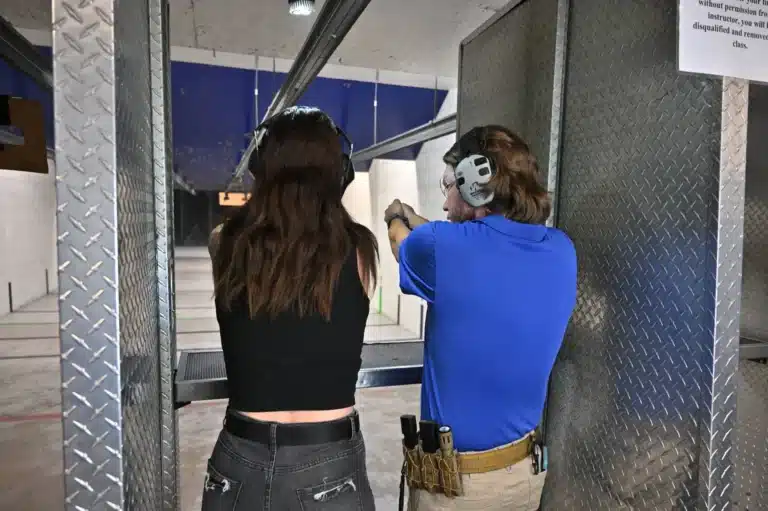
37 417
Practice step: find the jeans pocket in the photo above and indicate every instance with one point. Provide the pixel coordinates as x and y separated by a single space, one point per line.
336 495
220 493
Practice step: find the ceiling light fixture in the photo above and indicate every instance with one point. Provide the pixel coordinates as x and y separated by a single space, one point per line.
301 7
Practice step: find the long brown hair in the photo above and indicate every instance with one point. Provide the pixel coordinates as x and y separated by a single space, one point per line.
285 248
517 188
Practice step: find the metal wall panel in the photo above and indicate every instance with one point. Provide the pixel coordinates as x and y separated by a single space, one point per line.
107 256
491 77
751 458
657 225
754 318
164 238
139 371
507 72
720 366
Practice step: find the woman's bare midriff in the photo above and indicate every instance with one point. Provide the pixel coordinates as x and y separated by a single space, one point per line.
298 416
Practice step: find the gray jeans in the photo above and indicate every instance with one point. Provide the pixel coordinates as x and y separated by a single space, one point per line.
245 475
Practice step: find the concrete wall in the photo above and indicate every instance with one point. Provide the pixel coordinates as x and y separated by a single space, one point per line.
27 236
357 199
393 179
418 184
429 166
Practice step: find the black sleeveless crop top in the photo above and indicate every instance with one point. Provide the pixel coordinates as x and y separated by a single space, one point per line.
290 363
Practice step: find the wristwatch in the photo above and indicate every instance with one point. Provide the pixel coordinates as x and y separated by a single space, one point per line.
402 219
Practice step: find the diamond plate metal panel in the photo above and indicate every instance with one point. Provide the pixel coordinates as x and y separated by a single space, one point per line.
507 72
162 156
751 457
754 301
720 366
541 33
138 299
653 335
492 77
558 94
509 75
107 256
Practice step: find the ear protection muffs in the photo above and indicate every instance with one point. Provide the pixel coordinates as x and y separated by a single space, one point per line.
262 133
475 170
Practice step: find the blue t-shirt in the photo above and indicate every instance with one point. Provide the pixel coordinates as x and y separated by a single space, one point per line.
500 294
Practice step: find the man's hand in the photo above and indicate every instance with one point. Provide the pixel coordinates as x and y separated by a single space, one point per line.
414 220
393 210
397 231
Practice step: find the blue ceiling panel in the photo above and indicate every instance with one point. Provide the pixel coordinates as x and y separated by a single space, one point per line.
403 108
213 112
358 118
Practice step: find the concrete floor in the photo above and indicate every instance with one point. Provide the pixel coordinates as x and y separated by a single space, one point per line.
30 401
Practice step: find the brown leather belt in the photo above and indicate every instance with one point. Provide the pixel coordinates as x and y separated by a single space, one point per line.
495 459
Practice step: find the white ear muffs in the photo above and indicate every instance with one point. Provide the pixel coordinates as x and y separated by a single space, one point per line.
472 174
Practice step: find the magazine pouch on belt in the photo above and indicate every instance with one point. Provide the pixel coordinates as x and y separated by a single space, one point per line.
450 478
411 452
431 457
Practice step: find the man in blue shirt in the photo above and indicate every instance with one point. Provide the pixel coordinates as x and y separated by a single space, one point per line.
500 288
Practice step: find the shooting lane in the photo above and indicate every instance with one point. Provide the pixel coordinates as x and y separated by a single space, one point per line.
656 402
128 296
650 406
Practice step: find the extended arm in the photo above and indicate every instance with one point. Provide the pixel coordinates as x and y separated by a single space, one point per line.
398 232
417 262
414 220
414 249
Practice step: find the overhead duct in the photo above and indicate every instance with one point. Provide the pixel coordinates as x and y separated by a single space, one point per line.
333 22
424 133
19 53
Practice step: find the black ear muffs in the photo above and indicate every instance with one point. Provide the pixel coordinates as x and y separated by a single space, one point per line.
348 172
262 131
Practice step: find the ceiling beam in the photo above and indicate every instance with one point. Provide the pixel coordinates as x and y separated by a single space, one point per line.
331 26
424 133
19 53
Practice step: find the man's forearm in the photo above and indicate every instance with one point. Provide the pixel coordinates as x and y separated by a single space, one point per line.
397 232
415 220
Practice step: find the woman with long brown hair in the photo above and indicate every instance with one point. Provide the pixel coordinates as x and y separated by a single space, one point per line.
293 276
